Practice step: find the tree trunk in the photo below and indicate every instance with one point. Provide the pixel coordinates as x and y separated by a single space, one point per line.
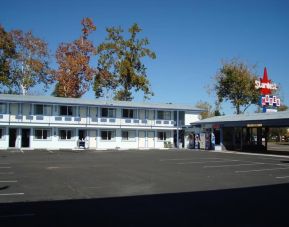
238 109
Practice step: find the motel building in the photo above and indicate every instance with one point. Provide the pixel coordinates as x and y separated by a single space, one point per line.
53 123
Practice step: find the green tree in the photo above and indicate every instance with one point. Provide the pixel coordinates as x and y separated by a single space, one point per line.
7 54
120 66
235 82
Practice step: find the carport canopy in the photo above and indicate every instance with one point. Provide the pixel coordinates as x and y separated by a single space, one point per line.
236 131
271 119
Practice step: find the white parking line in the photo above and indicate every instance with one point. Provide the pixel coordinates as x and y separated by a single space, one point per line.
259 170
275 159
11 194
282 177
7 173
185 163
8 181
248 164
5 167
186 159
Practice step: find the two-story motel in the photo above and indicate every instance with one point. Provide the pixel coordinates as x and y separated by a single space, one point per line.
45 122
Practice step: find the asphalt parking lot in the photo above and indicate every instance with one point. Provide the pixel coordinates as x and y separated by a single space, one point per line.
143 188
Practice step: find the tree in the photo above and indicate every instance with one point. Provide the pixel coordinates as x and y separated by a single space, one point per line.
7 53
74 74
120 66
235 83
30 66
209 112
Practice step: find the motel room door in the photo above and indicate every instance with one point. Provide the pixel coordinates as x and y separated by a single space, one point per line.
12 137
25 137
92 139
151 139
141 139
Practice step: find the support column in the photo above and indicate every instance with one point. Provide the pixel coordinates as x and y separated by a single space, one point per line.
242 129
221 138
178 122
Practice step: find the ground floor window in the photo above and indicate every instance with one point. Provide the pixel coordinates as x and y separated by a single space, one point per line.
107 135
128 135
163 136
42 134
65 134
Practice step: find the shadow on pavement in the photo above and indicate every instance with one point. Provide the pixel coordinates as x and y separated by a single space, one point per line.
255 206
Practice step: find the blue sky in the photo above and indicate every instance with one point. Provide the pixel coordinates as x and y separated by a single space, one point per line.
190 38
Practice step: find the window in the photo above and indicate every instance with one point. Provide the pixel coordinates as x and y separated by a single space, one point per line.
42 110
107 112
107 135
163 136
38 109
66 110
65 134
164 115
2 108
42 134
128 113
128 135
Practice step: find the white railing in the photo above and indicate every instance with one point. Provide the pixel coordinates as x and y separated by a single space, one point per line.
76 120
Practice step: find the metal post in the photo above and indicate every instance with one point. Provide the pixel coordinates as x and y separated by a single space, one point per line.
178 129
221 137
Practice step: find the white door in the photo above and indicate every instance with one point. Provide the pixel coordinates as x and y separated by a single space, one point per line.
151 139
141 139
92 139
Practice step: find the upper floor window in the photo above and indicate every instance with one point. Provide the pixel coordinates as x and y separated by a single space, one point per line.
66 110
164 115
41 109
2 108
107 112
128 113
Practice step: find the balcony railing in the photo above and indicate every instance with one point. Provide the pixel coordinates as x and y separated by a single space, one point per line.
77 120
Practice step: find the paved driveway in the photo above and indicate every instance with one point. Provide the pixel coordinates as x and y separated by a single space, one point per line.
143 188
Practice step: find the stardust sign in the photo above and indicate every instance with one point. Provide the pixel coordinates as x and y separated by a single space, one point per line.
266 86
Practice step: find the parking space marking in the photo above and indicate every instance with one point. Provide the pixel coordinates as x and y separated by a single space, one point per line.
259 170
8 181
232 165
7 173
5 167
224 160
275 159
11 194
282 177
186 159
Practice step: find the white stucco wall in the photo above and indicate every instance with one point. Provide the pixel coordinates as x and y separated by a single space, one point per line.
191 117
